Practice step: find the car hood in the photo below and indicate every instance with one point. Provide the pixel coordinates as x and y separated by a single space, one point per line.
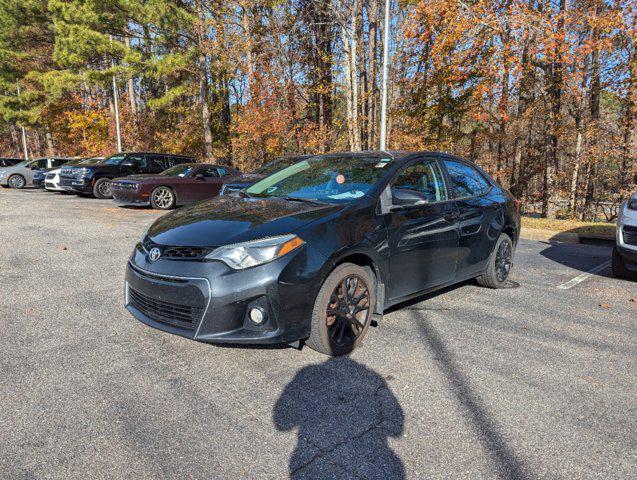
226 220
141 178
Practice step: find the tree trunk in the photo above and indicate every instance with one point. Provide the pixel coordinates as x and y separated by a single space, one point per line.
372 91
205 107
556 78
130 84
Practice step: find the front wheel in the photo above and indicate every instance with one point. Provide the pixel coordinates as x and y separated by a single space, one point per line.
17 181
499 265
619 267
102 188
343 310
162 198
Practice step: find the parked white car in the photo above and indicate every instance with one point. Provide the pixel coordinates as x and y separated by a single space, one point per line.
625 251
52 181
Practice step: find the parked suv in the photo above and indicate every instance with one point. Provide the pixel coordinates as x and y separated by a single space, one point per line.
94 178
21 175
625 251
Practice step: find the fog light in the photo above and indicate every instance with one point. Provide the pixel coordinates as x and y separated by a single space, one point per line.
257 315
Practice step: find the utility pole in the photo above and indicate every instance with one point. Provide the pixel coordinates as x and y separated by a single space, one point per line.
116 102
24 132
383 104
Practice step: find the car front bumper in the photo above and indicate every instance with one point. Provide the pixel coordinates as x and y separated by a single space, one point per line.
129 198
210 302
76 185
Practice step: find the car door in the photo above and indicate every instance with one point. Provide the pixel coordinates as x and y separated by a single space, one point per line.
133 165
423 238
33 167
207 183
156 163
481 216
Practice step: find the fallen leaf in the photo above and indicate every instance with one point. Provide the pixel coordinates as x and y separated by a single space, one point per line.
63 247
604 305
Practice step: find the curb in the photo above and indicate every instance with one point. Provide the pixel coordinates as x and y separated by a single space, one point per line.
564 237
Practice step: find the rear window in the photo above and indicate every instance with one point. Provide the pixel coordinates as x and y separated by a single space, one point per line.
465 180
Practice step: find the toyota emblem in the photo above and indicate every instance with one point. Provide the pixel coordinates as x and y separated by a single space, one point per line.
154 254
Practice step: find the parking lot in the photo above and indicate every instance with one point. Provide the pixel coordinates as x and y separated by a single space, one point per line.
534 381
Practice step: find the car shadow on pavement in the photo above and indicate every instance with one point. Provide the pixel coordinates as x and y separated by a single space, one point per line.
504 459
344 413
580 256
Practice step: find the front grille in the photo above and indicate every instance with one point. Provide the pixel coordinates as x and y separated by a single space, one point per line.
175 314
71 173
629 234
172 252
124 185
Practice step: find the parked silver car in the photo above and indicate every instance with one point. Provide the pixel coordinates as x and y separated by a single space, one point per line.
21 175
625 251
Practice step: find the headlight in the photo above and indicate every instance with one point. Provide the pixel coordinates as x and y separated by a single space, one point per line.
2 173
632 203
256 252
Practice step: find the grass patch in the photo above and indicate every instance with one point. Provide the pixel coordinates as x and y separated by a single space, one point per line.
573 226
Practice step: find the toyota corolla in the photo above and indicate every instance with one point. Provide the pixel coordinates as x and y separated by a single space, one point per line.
316 252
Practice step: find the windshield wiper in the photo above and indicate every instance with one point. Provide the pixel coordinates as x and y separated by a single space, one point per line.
290 198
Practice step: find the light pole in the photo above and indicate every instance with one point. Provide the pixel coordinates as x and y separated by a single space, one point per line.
383 104
24 132
116 102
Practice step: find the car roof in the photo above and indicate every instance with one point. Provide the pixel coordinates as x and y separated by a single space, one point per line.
156 153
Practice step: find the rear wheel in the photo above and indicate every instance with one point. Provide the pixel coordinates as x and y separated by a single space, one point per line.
499 265
17 181
102 188
343 310
619 267
162 198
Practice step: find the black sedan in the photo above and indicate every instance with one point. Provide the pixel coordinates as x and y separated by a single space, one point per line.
317 251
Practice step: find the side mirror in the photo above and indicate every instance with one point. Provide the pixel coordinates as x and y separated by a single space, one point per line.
406 198
199 176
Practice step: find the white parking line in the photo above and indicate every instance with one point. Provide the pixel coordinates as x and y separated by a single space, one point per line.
583 276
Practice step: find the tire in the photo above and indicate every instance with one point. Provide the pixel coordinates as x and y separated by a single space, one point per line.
500 264
102 188
17 181
619 267
162 198
340 333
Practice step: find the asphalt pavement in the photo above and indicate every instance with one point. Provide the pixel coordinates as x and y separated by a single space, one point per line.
534 381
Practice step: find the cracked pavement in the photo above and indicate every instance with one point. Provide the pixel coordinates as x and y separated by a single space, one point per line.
527 382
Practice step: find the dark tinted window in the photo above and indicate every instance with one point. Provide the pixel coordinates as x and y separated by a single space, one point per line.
135 162
423 177
177 160
42 163
56 162
209 172
466 181
157 163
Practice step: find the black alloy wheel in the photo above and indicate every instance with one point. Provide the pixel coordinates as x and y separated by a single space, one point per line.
503 261
348 310
343 310
500 264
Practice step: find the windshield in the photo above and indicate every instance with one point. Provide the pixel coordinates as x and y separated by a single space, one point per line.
274 165
329 179
178 170
112 160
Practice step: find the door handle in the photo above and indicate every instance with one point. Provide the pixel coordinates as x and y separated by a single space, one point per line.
452 216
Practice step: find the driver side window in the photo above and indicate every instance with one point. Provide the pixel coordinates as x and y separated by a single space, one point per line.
423 178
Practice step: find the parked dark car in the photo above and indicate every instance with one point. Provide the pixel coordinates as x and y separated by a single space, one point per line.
247 179
178 185
8 162
319 249
94 177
